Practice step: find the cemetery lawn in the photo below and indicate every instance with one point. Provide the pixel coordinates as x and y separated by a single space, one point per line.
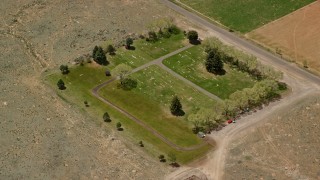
147 51
150 102
190 64
82 79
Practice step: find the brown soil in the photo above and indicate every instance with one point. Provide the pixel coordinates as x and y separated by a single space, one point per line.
286 147
295 35
41 136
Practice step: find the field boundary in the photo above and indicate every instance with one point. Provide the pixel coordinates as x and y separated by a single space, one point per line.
284 16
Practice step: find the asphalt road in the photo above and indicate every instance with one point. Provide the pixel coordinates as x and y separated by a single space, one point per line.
263 54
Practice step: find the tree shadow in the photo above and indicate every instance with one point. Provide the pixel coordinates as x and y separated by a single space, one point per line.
221 72
179 113
174 164
120 129
163 160
132 48
195 42
107 120
63 88
128 84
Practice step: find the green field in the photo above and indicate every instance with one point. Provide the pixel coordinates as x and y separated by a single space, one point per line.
147 51
79 83
190 64
150 102
245 15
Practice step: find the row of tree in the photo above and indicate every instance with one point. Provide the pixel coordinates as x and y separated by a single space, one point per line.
240 60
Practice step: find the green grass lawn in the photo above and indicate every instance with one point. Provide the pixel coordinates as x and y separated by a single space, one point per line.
147 51
190 64
150 102
79 83
245 15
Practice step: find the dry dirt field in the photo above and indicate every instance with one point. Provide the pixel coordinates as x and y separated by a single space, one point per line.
286 147
41 136
295 35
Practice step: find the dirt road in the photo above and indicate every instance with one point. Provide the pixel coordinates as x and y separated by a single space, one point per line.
302 83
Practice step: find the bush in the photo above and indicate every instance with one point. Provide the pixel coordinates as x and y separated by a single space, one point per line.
152 36
64 69
173 29
118 125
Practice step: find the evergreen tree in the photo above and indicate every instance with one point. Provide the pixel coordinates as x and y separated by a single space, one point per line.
111 49
129 42
61 85
100 57
176 107
213 62
95 49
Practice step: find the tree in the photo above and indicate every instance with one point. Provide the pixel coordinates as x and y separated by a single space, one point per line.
176 107
118 125
110 49
106 117
129 42
64 69
192 36
99 56
61 85
213 62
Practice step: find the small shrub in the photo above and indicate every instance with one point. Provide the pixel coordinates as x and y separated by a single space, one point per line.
64 69
118 125
162 158
86 103
106 117
108 73
141 144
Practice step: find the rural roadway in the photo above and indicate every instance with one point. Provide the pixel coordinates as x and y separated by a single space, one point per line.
301 82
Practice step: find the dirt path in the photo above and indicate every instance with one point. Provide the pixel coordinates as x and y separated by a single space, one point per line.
95 92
